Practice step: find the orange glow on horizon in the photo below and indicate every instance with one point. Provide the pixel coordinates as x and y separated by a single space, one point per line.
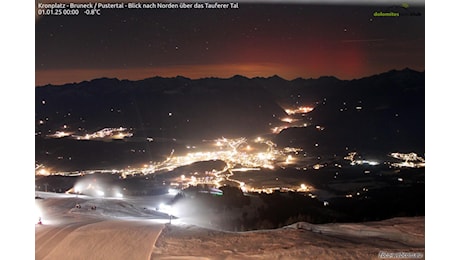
63 76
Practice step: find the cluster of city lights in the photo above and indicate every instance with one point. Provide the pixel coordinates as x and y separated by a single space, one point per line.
60 134
299 110
410 160
239 154
236 153
301 188
351 157
290 120
211 179
106 133
40 169
278 129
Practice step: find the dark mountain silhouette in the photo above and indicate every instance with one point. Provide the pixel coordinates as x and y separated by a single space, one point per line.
381 112
168 107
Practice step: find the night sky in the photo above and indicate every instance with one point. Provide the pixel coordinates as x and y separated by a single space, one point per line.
289 40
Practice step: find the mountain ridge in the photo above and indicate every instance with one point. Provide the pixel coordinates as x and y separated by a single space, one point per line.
232 77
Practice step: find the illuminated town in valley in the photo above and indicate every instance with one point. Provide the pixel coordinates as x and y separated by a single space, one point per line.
239 155
290 150
106 133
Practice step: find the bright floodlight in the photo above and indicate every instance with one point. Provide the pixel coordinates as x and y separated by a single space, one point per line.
100 193
373 163
173 191
38 215
165 208
43 172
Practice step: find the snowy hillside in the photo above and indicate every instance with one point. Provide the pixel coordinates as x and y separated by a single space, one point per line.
131 228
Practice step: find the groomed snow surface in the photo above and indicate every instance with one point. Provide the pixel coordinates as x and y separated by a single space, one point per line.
130 228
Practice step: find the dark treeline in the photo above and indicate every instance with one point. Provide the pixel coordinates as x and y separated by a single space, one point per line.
235 211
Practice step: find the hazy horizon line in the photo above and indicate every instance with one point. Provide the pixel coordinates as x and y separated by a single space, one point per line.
227 78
